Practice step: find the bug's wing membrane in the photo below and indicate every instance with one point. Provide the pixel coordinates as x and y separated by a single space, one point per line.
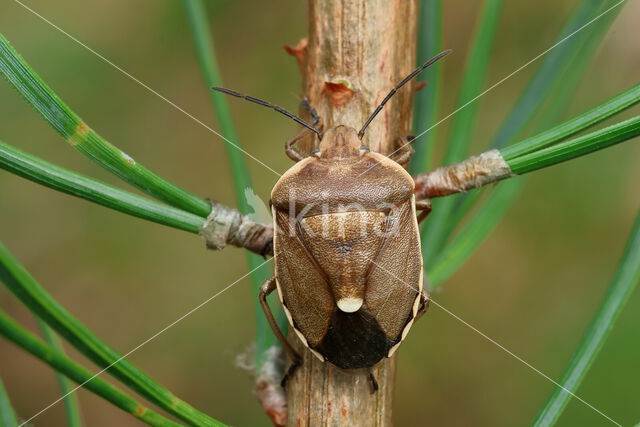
394 281
311 304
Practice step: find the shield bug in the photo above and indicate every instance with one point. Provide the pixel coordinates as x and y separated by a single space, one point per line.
346 237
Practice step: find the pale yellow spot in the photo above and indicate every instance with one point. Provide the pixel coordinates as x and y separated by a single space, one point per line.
349 304
80 134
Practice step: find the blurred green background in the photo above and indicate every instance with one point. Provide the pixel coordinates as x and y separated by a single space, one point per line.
532 286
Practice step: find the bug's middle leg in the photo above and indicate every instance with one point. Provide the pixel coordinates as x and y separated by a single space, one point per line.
268 287
424 206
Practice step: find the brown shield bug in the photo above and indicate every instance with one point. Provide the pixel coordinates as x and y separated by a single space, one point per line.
345 232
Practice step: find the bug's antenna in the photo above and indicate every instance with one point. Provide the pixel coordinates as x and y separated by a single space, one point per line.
268 104
399 85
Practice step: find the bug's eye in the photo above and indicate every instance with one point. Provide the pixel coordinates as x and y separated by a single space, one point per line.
363 149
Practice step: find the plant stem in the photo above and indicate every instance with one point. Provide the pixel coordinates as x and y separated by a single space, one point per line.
41 304
624 282
320 394
490 167
58 361
84 139
66 181
71 404
7 414
427 100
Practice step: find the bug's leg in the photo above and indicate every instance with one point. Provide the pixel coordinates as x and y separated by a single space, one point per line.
268 287
424 305
403 153
312 111
424 206
292 152
373 382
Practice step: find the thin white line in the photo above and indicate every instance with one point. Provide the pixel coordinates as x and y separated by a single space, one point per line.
485 336
503 80
174 105
146 341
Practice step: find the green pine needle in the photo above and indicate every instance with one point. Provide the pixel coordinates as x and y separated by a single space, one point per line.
84 139
427 100
577 147
474 233
535 153
7 414
566 62
66 181
597 114
61 363
71 404
241 178
624 282
556 63
473 81
42 305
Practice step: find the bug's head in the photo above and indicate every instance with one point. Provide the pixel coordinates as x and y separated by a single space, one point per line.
340 142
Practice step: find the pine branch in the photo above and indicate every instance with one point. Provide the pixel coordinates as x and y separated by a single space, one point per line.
536 152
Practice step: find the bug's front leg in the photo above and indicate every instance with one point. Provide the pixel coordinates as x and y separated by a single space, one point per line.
312 111
268 287
424 206
404 152
292 152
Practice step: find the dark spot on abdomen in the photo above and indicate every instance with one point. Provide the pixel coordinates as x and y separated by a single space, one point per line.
354 340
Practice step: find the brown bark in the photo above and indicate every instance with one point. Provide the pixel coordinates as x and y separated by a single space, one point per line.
475 172
357 50
227 226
